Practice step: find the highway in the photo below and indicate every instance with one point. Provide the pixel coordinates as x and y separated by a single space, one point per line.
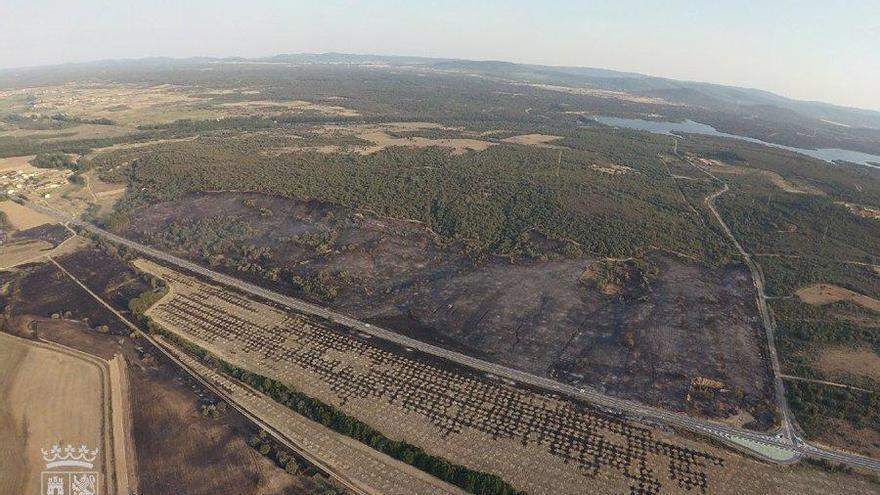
785 439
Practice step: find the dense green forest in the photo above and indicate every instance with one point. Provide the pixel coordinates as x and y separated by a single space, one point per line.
804 225
489 199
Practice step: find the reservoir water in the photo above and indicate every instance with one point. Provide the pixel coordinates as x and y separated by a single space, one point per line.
689 126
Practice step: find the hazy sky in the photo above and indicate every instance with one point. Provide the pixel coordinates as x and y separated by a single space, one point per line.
810 49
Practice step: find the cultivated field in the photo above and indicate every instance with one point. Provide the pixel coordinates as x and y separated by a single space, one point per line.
358 464
16 252
129 105
21 217
539 443
54 396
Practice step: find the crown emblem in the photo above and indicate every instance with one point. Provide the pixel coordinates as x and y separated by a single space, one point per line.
69 456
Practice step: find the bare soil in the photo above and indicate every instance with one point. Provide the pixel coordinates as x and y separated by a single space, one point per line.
647 343
862 210
541 140
21 217
777 180
611 168
821 294
32 245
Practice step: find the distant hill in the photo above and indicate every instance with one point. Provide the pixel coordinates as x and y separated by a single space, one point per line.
698 94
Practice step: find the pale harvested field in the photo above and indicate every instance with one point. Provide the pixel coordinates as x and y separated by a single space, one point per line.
50 397
541 140
538 443
603 93
383 140
15 253
862 210
17 163
267 106
81 131
717 166
611 168
22 217
23 251
124 457
128 105
820 294
126 146
849 361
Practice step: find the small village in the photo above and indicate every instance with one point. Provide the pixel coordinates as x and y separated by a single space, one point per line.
33 181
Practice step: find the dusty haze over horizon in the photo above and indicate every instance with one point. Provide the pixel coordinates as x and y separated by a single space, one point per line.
809 50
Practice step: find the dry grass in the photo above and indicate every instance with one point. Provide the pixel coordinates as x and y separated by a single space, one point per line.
780 182
383 140
540 140
18 252
380 138
50 397
125 146
22 217
849 361
821 294
862 210
266 106
17 163
80 131
129 105
603 93
717 166
611 168
842 433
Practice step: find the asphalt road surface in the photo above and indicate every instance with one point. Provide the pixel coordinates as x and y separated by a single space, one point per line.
786 438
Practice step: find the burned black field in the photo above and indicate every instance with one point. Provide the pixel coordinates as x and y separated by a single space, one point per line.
663 328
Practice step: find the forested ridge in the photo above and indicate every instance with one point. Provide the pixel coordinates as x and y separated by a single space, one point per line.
489 199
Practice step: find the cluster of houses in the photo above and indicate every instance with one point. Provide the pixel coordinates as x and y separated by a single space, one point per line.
38 181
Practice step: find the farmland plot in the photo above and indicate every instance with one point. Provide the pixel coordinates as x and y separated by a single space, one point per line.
538 443
54 396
